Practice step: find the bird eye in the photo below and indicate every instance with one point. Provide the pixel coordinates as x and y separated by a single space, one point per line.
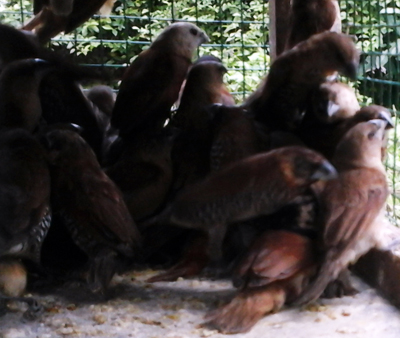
193 31
371 135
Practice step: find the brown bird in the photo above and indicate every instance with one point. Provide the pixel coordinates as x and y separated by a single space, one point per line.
191 151
350 203
270 275
20 104
333 101
365 114
280 102
226 97
258 185
329 106
324 137
24 209
144 172
235 136
55 16
104 98
151 84
92 206
62 101
309 17
24 194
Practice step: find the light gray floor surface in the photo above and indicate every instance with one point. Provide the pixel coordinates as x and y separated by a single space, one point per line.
175 310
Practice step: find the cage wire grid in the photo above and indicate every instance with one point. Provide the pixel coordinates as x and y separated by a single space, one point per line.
239 36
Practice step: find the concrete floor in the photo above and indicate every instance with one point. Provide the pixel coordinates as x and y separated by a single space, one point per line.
174 310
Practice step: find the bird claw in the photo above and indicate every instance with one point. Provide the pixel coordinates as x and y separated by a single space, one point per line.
34 309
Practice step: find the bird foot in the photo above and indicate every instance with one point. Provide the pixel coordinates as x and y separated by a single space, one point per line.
340 287
35 309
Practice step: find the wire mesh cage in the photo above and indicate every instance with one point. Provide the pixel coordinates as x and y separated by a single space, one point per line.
239 37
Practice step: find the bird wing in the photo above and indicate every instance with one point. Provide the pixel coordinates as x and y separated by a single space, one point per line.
148 90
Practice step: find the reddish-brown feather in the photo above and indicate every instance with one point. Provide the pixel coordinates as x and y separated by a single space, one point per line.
350 204
283 96
309 17
83 192
273 271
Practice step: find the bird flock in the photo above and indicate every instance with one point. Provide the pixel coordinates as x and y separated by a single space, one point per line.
280 193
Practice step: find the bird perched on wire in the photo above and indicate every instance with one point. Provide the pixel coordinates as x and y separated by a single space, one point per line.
54 17
280 102
257 185
151 84
91 205
270 274
309 17
350 204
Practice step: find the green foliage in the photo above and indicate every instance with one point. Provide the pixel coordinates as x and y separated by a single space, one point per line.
376 25
237 29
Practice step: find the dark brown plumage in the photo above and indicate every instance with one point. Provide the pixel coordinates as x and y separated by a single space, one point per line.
350 204
151 84
144 172
325 136
235 136
191 151
271 274
226 97
91 204
309 17
54 17
62 101
24 194
280 102
20 104
258 185
103 97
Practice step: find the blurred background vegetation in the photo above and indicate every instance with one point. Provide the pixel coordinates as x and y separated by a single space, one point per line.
239 36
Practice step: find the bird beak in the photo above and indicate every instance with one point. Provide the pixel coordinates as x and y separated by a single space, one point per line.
204 38
380 126
385 116
325 172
